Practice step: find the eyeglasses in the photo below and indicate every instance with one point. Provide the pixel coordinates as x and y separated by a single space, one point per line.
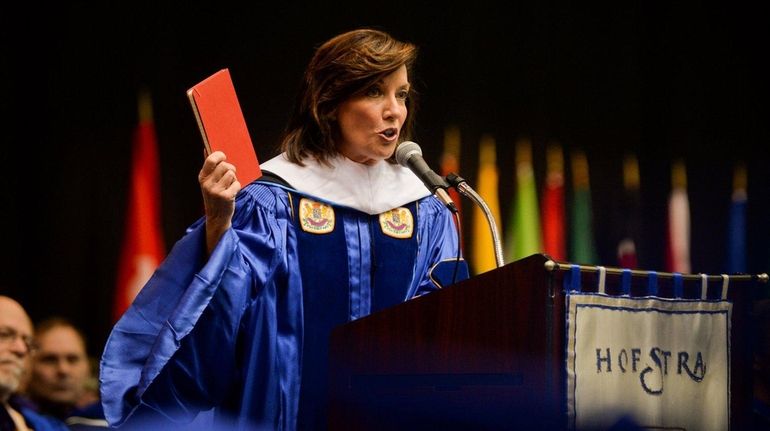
9 335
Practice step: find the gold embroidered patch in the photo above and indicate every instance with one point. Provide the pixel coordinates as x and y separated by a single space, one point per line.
315 217
397 223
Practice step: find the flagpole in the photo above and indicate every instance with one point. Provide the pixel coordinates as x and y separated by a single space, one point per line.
551 265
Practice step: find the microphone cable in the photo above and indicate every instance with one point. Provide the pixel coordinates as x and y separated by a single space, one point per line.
459 243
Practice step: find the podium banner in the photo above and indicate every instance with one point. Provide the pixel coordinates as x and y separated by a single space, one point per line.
659 363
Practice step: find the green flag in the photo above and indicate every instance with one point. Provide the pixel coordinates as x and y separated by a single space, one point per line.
524 236
582 248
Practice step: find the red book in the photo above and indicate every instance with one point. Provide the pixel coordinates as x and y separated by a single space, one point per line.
222 125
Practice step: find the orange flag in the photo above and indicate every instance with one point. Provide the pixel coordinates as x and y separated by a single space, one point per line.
450 161
486 186
143 246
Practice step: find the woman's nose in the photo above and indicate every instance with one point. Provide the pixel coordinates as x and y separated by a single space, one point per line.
394 108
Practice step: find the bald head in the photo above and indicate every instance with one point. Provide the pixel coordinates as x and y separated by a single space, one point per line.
15 339
13 310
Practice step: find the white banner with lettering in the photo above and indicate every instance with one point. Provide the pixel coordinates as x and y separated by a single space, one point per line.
653 361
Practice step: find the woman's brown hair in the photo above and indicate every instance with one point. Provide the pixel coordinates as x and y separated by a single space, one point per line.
343 66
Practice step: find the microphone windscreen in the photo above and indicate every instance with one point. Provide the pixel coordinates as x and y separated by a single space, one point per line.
405 151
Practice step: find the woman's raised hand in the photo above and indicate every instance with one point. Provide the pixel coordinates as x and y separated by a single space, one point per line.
219 186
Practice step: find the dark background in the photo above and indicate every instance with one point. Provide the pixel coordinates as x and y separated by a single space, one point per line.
663 81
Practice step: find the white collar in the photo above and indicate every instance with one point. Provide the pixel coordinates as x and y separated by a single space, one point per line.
372 189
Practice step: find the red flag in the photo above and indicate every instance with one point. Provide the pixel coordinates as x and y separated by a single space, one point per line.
554 243
143 246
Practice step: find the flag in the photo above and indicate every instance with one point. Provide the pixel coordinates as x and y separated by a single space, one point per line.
143 246
554 242
450 161
736 228
582 245
678 239
483 247
631 214
523 232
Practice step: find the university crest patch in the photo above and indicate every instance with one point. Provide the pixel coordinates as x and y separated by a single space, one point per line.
397 223
315 217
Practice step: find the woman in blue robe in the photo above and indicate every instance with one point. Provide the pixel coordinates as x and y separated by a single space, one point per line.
236 320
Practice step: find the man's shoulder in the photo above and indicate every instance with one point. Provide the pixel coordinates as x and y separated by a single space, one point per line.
41 422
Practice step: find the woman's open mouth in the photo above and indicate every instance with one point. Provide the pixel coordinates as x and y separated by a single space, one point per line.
390 133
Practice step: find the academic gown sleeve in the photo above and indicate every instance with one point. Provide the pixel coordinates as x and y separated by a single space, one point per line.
175 351
437 257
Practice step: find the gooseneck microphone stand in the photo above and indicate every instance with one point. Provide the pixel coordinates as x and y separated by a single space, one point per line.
462 186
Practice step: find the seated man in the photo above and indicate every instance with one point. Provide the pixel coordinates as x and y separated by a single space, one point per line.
16 344
60 374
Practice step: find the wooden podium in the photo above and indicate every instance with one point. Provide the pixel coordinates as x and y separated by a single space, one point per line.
485 353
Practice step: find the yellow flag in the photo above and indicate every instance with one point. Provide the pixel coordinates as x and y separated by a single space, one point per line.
486 186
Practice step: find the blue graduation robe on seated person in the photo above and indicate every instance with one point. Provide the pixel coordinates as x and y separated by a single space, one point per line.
34 420
245 332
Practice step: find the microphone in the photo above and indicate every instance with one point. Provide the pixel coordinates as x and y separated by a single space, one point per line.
409 155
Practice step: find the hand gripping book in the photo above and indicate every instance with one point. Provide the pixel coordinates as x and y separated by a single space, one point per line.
222 125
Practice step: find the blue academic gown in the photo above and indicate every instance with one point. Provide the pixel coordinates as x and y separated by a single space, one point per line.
245 332
39 422
33 419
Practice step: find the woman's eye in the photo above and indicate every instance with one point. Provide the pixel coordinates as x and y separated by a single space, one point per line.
403 94
373 92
